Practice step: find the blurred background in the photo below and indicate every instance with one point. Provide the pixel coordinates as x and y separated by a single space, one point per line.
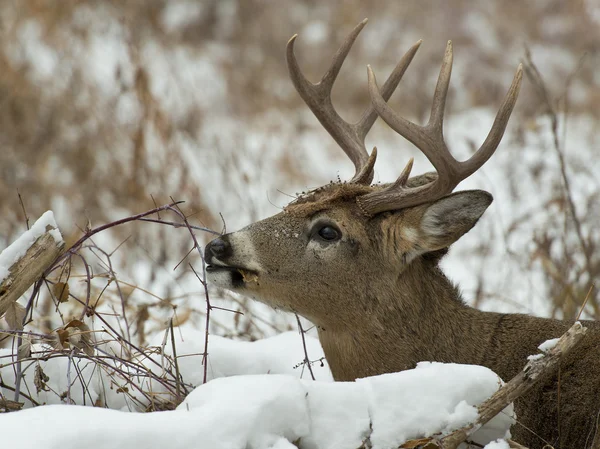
108 108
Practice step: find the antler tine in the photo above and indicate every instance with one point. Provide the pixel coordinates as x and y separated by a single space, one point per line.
370 115
340 56
351 137
436 119
318 98
495 135
430 140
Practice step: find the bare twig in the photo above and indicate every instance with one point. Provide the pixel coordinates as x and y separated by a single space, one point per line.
585 302
112 224
306 359
206 328
177 373
23 209
180 225
120 370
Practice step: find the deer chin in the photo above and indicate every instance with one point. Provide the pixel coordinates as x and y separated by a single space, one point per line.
229 277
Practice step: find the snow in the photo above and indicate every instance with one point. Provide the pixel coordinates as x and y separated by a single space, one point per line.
275 355
544 347
498 444
266 411
30 46
181 14
548 344
10 255
534 357
444 393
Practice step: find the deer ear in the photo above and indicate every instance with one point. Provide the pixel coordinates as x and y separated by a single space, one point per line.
448 219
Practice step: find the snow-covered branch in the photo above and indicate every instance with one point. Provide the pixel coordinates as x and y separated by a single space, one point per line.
24 262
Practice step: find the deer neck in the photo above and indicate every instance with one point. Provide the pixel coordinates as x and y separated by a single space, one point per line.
421 317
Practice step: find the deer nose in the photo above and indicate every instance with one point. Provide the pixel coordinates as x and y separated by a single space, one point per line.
219 248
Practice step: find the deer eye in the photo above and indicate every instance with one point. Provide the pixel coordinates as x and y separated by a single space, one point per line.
329 233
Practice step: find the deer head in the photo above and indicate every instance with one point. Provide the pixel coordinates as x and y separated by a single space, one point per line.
345 249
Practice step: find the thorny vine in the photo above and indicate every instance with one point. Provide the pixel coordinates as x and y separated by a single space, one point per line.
77 342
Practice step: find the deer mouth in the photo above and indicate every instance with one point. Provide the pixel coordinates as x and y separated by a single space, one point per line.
229 276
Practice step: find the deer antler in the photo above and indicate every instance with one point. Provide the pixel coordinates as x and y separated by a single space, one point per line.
349 136
430 140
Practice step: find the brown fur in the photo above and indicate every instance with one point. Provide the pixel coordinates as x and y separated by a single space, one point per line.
381 303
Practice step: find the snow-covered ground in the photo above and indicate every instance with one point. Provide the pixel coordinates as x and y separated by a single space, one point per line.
275 409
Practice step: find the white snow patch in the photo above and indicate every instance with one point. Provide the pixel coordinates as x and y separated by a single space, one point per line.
431 398
315 32
498 444
59 370
226 357
260 410
177 15
544 347
30 51
548 344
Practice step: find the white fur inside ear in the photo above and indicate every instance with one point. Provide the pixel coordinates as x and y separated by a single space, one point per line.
455 214
430 223
410 234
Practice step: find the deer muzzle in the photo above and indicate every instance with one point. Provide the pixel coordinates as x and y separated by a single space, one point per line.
230 261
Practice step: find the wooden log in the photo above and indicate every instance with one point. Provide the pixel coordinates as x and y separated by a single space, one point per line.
10 406
29 268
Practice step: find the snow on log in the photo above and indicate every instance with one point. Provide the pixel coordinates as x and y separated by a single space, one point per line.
25 260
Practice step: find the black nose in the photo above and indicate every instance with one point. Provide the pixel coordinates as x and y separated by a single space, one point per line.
219 248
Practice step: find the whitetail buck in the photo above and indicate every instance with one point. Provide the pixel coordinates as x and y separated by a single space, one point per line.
361 262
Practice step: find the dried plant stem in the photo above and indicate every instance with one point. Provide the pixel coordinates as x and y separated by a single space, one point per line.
536 78
175 362
207 325
582 308
306 359
23 209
